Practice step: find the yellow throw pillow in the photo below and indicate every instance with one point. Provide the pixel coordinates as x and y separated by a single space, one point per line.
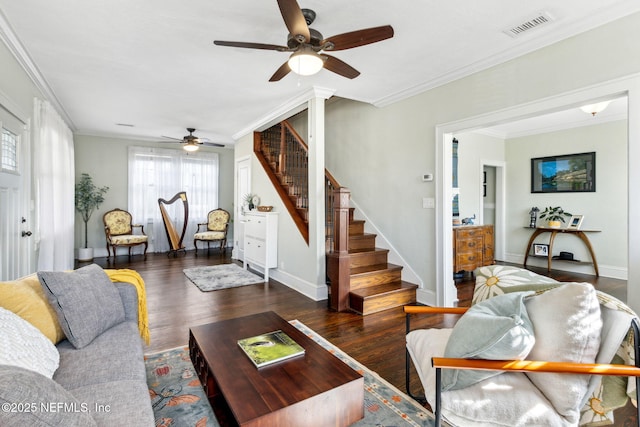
26 298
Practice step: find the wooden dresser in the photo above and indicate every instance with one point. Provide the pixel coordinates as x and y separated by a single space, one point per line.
472 247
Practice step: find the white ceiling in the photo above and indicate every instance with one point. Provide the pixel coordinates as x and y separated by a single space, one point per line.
152 64
571 118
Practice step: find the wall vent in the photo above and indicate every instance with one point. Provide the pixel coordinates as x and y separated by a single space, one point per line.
543 18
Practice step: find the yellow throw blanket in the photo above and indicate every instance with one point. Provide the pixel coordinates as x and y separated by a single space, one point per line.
132 276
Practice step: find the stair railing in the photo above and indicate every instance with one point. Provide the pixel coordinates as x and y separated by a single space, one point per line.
284 156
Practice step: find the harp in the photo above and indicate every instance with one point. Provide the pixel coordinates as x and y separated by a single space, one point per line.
175 240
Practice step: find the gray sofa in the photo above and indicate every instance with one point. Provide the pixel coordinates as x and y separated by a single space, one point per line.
102 383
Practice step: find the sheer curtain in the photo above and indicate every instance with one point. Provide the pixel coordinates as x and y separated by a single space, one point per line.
162 173
54 174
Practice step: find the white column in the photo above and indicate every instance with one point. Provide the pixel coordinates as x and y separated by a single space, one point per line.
316 186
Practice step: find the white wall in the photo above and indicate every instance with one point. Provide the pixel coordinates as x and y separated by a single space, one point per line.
296 261
604 210
381 153
474 149
106 160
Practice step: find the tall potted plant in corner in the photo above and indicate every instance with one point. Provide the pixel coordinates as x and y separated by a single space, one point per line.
88 199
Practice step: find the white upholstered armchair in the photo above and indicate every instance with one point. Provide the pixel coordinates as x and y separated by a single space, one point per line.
529 351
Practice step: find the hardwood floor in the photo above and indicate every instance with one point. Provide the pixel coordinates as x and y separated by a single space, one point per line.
376 340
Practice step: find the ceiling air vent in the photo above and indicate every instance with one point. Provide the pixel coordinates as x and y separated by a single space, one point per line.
537 21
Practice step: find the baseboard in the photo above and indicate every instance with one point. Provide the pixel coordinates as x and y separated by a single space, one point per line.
610 271
426 297
316 293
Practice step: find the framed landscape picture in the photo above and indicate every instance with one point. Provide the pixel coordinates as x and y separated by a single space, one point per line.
564 174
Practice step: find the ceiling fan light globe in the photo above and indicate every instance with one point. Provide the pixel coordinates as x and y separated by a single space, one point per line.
305 62
190 147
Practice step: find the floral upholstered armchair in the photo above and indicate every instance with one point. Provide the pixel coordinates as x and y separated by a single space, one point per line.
119 231
215 229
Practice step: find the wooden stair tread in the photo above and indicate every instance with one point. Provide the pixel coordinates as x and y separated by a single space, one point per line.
368 269
365 251
388 288
362 236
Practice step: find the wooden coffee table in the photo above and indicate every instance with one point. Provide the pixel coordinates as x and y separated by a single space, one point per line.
316 387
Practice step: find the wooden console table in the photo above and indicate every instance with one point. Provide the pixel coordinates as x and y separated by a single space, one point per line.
554 231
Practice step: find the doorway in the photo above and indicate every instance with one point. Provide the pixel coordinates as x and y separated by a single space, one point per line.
445 288
16 258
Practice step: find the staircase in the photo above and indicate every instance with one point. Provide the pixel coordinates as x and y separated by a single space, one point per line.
373 284
361 279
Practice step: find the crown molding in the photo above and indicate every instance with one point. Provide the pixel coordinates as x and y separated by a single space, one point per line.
288 109
604 17
10 39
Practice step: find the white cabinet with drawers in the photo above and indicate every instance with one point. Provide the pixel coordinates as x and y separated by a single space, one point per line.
261 241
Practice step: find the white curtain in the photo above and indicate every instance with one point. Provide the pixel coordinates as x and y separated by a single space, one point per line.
156 173
54 174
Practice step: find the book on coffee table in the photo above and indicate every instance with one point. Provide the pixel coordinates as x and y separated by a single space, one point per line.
270 348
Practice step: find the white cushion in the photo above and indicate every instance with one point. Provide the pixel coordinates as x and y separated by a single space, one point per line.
497 329
567 325
423 344
509 399
25 346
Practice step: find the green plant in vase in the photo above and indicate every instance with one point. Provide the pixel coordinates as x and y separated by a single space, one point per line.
88 198
555 216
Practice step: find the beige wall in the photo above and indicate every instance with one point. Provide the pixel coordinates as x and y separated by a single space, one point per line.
604 210
380 153
106 160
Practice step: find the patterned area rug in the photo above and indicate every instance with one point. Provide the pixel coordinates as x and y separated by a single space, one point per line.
179 400
223 276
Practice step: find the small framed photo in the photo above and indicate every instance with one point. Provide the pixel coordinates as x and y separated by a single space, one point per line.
540 249
575 222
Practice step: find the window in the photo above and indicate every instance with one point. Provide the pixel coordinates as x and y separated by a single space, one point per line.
9 155
162 173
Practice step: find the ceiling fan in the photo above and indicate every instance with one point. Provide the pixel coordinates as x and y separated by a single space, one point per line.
192 142
308 45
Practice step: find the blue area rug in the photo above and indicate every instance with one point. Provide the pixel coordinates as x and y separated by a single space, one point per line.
179 400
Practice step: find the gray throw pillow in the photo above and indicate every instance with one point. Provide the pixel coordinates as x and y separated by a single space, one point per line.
496 329
31 399
86 301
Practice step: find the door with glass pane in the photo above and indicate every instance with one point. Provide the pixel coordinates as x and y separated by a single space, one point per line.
15 234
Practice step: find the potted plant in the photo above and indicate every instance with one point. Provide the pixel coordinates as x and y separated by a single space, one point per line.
554 216
88 198
249 200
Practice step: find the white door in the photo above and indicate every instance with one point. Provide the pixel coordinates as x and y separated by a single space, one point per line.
16 258
243 187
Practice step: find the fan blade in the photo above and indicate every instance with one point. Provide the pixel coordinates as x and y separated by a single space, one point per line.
251 45
359 38
212 144
170 137
294 19
280 72
340 67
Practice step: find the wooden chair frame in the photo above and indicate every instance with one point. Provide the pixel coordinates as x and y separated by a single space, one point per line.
109 235
515 365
